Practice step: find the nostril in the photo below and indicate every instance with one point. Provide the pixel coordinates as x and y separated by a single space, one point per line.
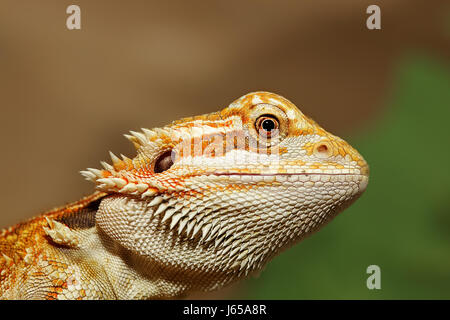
322 150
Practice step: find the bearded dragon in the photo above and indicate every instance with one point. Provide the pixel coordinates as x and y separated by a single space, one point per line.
206 201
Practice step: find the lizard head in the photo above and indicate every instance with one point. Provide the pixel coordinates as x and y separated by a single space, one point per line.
211 198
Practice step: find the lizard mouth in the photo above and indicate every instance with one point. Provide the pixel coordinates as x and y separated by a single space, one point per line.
355 176
361 171
285 174
342 172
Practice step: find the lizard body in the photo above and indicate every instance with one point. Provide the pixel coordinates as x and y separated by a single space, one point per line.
207 201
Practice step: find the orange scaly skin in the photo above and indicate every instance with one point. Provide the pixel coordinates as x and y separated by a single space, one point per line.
29 256
207 201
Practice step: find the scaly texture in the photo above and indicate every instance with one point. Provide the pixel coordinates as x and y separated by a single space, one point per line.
206 201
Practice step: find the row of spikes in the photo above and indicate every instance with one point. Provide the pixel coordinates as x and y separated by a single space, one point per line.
18 255
198 222
109 179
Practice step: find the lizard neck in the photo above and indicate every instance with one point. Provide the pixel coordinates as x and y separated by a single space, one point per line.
128 275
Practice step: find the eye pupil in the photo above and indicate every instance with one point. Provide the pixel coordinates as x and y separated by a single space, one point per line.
268 125
164 162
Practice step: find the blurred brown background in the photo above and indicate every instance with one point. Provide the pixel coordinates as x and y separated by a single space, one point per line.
68 96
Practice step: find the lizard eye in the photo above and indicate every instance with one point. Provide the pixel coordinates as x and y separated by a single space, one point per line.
163 162
267 125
